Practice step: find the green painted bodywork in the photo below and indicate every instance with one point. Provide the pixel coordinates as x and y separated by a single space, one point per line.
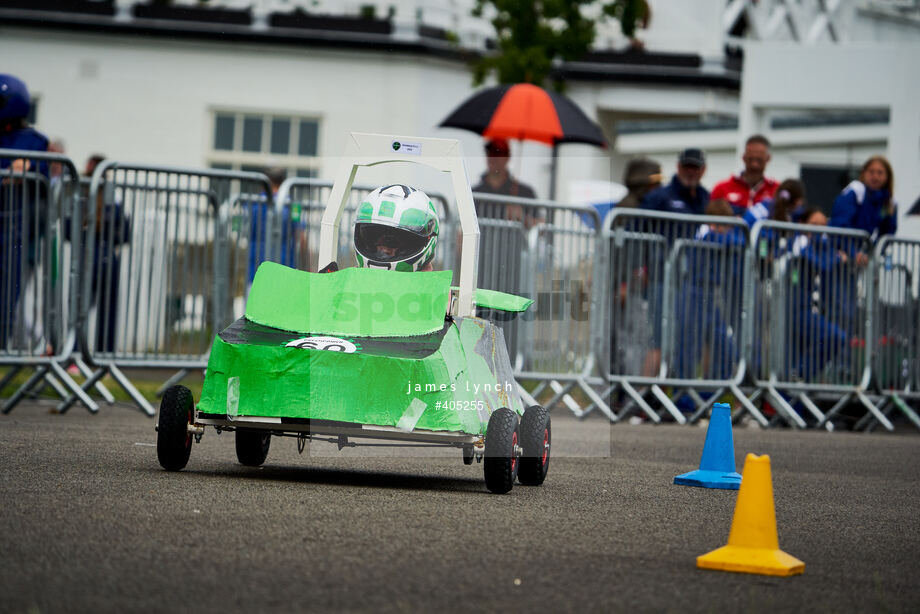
493 299
459 383
353 301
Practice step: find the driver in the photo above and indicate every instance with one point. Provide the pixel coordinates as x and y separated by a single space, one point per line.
396 229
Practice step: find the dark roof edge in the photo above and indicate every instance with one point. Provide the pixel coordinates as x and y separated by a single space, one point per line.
665 75
335 39
160 28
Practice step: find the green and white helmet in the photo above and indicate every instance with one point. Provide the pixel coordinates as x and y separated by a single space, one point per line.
396 229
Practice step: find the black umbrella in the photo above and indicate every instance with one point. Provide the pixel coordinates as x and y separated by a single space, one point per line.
526 112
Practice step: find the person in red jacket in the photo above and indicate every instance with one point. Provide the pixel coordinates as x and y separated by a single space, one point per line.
751 185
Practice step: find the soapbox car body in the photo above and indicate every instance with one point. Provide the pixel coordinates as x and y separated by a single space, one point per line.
361 356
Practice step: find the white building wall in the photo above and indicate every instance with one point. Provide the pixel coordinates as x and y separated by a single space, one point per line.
856 76
149 100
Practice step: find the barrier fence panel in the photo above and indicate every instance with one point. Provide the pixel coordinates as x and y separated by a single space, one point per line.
157 265
37 212
144 264
545 251
811 308
675 288
895 329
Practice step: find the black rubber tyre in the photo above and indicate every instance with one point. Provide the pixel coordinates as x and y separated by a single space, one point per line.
252 446
536 437
501 461
174 442
468 455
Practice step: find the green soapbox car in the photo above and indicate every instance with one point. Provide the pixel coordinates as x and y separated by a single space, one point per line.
358 355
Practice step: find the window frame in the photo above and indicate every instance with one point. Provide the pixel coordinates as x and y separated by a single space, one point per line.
295 163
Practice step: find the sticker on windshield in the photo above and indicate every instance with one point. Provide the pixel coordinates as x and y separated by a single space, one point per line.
413 149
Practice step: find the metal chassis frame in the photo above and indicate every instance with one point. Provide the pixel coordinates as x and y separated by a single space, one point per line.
446 438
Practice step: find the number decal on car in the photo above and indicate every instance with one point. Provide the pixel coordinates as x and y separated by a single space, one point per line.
332 344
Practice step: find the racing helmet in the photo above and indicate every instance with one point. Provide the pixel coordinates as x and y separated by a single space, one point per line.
396 229
14 98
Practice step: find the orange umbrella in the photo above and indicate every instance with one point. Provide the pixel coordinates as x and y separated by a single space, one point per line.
525 112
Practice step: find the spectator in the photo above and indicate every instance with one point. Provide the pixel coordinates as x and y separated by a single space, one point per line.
56 169
293 228
642 175
750 186
684 194
786 205
708 317
503 242
91 163
635 344
498 180
814 339
813 217
18 213
868 203
112 229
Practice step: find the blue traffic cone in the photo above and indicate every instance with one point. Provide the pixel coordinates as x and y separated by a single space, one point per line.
717 468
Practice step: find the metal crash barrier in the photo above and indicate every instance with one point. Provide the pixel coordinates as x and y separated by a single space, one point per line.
39 215
675 288
809 303
895 327
545 251
642 313
158 276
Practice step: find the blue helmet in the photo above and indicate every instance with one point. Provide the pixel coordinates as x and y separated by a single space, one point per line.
14 98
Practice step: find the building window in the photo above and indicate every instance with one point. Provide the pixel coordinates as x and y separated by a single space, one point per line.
249 141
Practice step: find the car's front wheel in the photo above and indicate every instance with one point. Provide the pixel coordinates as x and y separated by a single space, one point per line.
174 441
536 437
502 452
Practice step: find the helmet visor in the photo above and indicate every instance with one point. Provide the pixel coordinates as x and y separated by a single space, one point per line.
387 244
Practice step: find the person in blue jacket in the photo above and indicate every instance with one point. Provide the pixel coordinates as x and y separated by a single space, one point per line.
15 203
866 204
786 205
706 311
683 194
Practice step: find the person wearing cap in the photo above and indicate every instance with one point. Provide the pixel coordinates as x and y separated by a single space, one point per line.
683 194
751 185
21 201
642 175
635 339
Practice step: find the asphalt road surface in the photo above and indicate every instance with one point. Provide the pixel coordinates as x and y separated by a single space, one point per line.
90 522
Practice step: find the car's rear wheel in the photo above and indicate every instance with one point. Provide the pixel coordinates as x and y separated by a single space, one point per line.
174 441
502 452
536 437
252 446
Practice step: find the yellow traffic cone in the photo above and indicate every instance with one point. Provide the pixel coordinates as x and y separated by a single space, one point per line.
753 546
